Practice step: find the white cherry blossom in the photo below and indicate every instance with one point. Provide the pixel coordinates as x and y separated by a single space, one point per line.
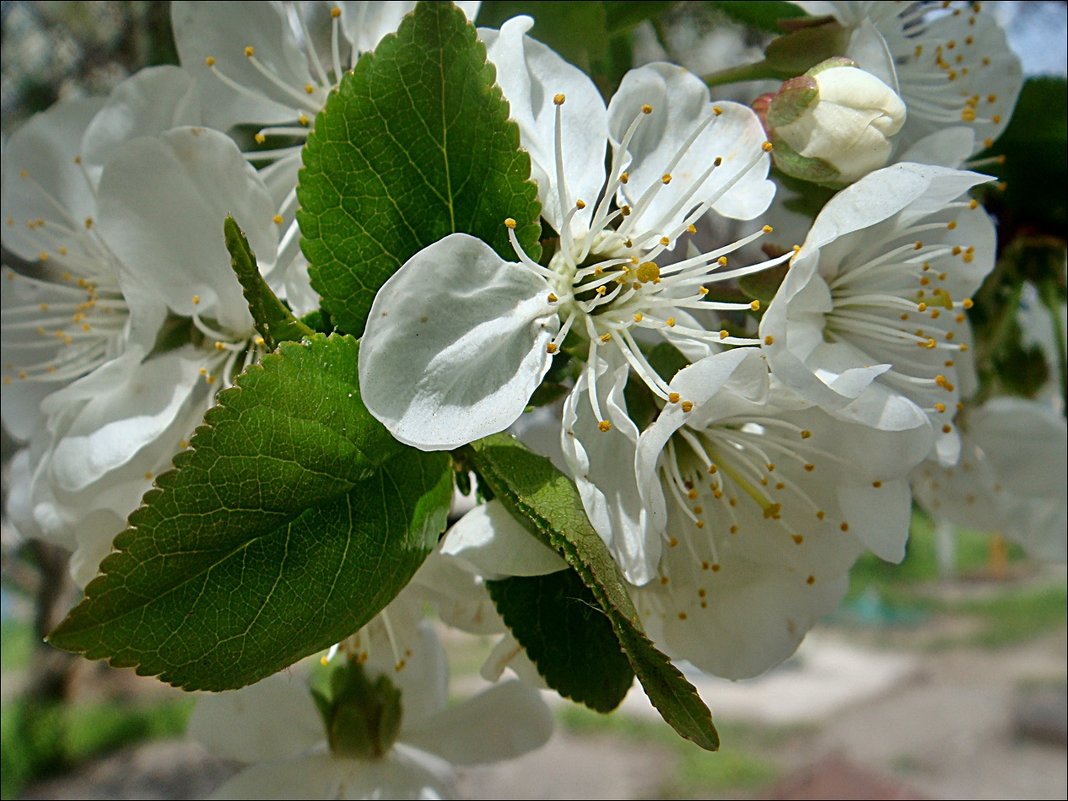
274 727
443 366
874 302
950 63
758 505
1010 478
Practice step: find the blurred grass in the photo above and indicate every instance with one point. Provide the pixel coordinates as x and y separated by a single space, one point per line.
748 765
43 739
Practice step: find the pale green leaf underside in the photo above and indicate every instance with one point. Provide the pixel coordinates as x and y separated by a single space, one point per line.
415 144
291 521
548 504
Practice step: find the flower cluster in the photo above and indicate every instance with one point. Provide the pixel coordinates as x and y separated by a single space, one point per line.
740 418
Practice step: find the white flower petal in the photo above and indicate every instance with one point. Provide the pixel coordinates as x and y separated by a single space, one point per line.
443 368
531 75
681 103
150 102
495 544
503 722
39 173
274 719
754 617
169 231
222 31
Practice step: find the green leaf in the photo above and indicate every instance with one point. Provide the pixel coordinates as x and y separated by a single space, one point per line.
414 144
567 635
545 501
760 14
289 523
273 320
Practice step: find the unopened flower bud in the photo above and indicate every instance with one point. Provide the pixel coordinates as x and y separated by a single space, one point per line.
833 125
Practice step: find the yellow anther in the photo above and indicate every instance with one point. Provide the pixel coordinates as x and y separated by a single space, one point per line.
604 426
88 222
967 114
967 303
665 241
250 51
665 178
670 322
921 307
687 406
259 341
624 177
550 348
809 467
810 580
724 333
335 12
647 109
876 484
638 317
606 337
509 223
722 261
951 224
797 538
691 228
203 371
767 147
940 407
304 120
210 61
996 119
717 161
805 434
580 204
947 429
702 290
219 346
42 256
277 219
674 397
309 89
767 229
717 110
755 305
552 297
648 272
769 340
196 300
601 290
559 98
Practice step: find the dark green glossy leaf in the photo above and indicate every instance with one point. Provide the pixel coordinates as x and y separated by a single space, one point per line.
567 635
546 502
415 144
292 519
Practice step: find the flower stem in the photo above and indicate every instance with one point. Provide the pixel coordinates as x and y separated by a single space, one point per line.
757 71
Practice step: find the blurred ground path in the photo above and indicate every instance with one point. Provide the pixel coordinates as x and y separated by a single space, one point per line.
894 712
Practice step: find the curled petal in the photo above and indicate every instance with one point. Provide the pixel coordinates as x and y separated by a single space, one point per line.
455 344
532 75
495 544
